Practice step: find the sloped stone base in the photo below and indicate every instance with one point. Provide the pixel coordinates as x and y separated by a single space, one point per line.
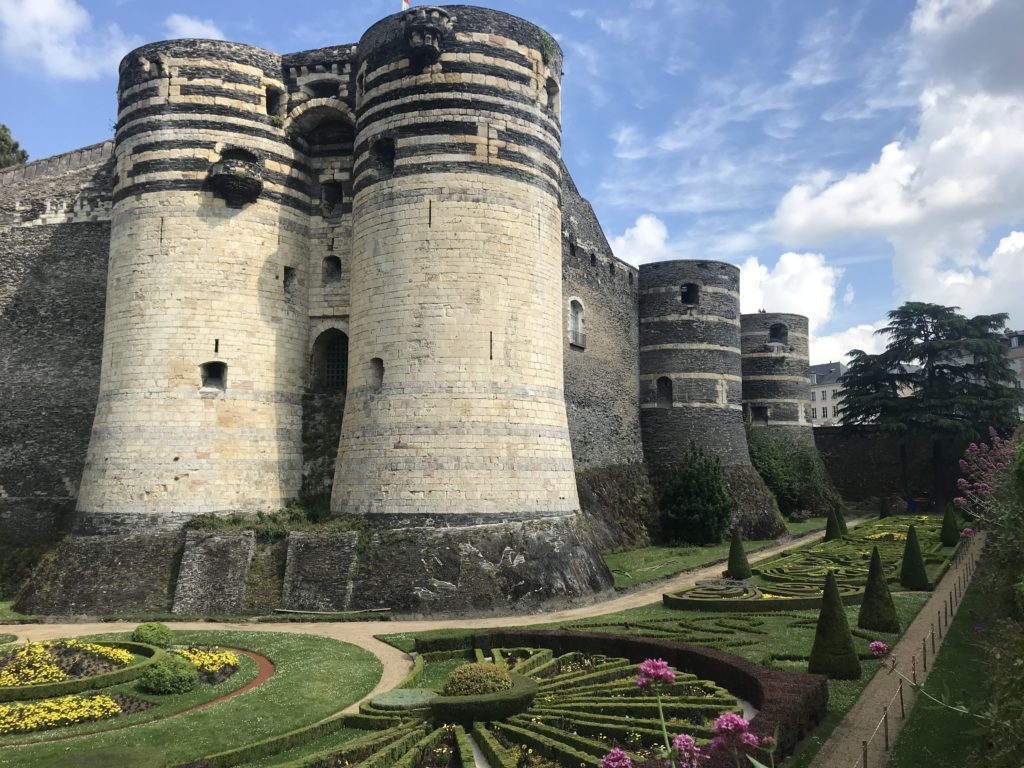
757 513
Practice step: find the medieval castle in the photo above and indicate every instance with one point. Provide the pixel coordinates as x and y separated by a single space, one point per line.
360 271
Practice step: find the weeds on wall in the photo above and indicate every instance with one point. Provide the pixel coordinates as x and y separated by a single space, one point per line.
793 471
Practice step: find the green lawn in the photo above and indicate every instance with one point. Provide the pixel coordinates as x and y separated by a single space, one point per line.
936 736
8 614
315 677
640 566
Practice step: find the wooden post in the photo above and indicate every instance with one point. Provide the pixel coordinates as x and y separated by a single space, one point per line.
945 612
933 639
924 654
903 707
938 620
913 669
864 753
885 726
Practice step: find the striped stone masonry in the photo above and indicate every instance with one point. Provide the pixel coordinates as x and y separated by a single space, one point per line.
775 371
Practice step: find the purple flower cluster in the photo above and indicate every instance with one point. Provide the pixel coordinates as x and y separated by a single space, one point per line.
966 533
688 753
879 649
655 671
615 759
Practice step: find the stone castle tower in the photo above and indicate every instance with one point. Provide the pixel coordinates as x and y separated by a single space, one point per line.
456 405
775 373
691 378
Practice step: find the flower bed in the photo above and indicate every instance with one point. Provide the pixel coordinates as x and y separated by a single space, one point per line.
55 713
49 670
215 665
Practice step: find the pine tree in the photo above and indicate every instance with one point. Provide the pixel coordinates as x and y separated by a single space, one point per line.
10 152
877 611
912 573
833 653
950 528
832 529
739 566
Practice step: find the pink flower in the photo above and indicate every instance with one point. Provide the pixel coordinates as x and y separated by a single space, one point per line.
966 533
960 501
654 671
879 649
767 741
690 755
730 722
748 739
615 759
962 483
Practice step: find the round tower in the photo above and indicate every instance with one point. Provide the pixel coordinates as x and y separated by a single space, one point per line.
199 407
455 409
776 392
691 377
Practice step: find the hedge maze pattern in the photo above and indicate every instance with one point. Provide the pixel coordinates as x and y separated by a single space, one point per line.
794 579
584 706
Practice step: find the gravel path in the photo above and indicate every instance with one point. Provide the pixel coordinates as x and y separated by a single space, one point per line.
396 663
845 746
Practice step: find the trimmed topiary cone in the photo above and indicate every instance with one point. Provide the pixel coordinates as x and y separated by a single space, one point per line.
832 529
841 519
877 611
950 528
833 653
912 573
739 567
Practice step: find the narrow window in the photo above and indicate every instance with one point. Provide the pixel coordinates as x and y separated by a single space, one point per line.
814 396
824 395
383 155
331 270
361 85
690 294
593 259
554 102
778 333
290 282
577 337
329 364
376 374
611 269
630 274
274 101
572 251
814 413
214 375
331 199
664 392
824 413
759 414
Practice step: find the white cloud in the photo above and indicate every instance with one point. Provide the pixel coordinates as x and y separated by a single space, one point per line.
836 346
178 25
941 193
645 241
802 283
59 36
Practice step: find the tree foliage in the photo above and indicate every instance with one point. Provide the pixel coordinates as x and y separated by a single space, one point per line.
10 152
942 375
793 471
695 504
877 610
739 566
833 652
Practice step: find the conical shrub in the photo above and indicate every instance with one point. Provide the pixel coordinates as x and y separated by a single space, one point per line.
912 573
877 611
841 519
833 653
950 528
832 529
739 566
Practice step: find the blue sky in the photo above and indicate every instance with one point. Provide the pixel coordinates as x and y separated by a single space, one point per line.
847 154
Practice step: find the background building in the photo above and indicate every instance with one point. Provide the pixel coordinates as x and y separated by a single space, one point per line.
825 392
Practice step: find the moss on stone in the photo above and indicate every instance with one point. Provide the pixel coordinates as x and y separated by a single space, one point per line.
877 610
833 653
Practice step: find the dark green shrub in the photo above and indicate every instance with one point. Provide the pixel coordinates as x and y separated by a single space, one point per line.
877 610
476 679
739 567
171 674
485 706
153 633
841 519
912 572
884 509
833 653
950 535
794 472
832 528
695 505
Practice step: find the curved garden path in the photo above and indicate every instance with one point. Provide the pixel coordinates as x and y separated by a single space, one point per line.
396 663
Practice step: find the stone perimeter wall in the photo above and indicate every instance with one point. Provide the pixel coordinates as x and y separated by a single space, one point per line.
54 239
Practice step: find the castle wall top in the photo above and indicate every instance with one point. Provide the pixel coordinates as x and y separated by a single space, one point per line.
57 164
